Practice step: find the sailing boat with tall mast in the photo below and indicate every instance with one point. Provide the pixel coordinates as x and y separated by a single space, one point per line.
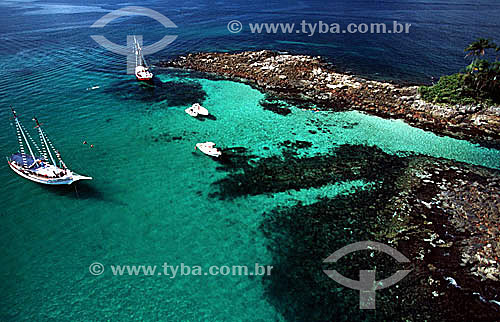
42 168
142 71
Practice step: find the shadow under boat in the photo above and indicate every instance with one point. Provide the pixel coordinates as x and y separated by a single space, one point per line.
202 118
76 190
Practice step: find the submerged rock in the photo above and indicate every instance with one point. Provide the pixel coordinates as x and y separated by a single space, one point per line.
275 106
276 174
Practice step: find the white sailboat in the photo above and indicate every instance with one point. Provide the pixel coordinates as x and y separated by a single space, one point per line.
42 168
142 71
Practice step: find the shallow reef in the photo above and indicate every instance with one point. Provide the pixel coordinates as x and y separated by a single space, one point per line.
432 210
282 173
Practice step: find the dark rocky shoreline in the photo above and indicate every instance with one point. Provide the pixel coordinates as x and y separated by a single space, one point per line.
311 79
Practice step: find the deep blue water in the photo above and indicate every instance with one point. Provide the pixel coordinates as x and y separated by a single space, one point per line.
440 30
150 200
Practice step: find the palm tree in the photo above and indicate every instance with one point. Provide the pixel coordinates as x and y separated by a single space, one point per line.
478 47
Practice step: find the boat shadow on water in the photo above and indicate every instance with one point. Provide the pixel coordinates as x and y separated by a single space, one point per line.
202 118
173 93
77 190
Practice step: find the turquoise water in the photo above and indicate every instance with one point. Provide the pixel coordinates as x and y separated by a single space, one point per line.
149 201
149 204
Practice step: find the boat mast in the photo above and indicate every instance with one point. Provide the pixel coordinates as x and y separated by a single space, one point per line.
139 57
18 124
136 50
44 141
144 60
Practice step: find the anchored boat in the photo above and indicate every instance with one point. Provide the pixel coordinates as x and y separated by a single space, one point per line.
142 71
38 168
196 109
209 149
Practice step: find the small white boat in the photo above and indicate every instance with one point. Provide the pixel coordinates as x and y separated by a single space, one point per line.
41 168
196 109
209 149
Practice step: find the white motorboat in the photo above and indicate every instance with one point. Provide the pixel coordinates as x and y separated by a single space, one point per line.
196 109
209 149
38 168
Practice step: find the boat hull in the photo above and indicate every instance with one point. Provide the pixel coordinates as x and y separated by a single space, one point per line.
203 111
48 181
209 150
144 79
143 74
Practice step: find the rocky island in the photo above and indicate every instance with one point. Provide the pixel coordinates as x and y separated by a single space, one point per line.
314 80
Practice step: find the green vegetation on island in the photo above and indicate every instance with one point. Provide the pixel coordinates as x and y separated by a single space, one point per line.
479 83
